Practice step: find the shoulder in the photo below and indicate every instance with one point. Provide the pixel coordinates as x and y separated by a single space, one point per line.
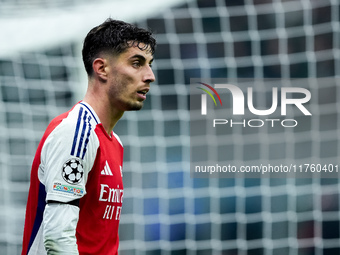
75 131
80 116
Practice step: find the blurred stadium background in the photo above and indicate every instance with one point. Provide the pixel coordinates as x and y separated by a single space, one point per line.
165 211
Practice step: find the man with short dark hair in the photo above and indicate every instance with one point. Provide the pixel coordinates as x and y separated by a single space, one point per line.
76 190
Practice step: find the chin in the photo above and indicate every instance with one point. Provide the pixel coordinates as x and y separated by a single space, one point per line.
135 107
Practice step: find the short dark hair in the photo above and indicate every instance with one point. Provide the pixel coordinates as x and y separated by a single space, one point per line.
114 36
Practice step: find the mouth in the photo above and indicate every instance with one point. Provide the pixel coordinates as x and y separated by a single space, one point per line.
142 93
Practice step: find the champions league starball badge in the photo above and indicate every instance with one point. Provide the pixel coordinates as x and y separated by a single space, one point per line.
73 171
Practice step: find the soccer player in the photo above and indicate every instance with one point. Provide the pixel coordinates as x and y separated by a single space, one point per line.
76 189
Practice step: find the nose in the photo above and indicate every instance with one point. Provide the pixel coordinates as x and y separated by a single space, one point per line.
149 75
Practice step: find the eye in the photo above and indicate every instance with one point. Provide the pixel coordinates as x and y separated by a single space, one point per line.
136 64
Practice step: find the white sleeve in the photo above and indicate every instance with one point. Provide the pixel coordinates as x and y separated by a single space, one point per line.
67 157
59 224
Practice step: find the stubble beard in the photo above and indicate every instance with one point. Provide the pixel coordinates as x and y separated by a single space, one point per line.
126 105
129 106
134 107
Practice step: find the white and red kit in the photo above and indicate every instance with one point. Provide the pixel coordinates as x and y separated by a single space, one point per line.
76 189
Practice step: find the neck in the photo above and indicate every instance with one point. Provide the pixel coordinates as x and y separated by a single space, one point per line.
107 114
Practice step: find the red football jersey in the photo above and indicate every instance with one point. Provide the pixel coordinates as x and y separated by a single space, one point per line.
77 159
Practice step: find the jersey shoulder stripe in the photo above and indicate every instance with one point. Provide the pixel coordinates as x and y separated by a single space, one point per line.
91 111
82 131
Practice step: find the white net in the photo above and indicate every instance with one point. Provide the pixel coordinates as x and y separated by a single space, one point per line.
165 211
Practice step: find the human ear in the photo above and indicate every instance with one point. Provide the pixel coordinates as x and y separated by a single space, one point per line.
99 69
